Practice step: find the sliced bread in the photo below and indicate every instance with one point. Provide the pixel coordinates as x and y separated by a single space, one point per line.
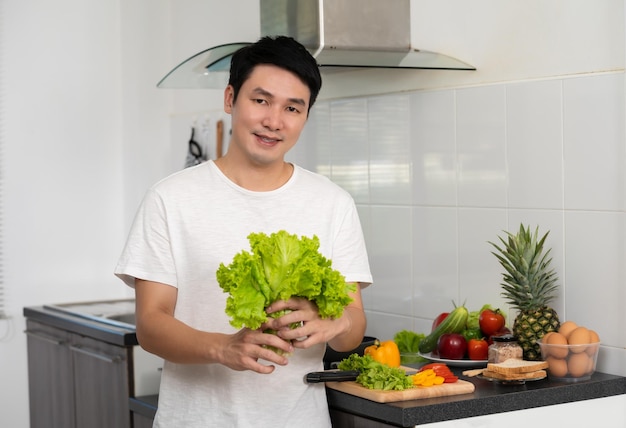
538 374
513 366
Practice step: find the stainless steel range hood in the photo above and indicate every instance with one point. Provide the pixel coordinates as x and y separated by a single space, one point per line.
338 33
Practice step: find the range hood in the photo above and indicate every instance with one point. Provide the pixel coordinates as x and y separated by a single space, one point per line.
339 34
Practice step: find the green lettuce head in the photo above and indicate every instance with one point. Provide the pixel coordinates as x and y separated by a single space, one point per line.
278 267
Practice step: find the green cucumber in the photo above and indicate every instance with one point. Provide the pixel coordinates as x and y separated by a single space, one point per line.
454 323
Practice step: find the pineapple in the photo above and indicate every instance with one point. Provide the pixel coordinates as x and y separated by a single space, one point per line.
529 285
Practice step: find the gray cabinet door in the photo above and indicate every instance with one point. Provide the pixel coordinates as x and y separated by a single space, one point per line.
75 381
50 377
101 383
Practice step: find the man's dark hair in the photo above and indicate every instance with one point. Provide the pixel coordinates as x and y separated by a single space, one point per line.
281 51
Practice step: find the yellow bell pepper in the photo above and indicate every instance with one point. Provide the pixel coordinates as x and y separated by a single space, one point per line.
386 352
427 378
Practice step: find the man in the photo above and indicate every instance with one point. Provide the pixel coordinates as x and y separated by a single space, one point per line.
201 216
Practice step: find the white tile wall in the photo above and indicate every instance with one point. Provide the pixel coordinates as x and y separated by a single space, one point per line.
389 248
437 175
593 130
349 149
480 146
534 150
435 268
389 149
433 160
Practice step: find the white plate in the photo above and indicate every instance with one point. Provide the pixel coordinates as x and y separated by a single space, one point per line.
454 363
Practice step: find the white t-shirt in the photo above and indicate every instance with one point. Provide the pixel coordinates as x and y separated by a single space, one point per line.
196 219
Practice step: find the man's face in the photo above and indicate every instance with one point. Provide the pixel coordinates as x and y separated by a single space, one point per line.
269 115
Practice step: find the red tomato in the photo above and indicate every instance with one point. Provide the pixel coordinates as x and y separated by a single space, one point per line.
490 321
452 346
442 316
433 366
477 349
441 369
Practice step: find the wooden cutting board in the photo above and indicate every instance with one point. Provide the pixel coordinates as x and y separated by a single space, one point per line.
380 396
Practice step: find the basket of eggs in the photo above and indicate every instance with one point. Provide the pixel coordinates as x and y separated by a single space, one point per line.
571 352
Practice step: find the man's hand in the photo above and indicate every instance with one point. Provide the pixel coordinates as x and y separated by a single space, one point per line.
312 329
160 333
244 349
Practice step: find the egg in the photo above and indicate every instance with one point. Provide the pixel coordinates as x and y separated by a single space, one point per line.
595 343
558 351
579 336
567 327
578 364
557 367
591 367
545 337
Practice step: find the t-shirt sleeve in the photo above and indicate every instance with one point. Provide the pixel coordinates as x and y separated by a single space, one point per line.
147 254
350 254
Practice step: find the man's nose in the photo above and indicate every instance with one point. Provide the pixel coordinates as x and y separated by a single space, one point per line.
273 119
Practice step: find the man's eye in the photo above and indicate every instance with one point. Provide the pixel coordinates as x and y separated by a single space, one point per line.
292 109
259 100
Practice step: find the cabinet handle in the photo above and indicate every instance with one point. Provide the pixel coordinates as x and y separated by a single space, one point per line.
45 337
107 358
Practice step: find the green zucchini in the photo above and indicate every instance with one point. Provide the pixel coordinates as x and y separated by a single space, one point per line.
455 322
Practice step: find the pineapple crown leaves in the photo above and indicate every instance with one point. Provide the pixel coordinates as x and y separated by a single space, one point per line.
529 282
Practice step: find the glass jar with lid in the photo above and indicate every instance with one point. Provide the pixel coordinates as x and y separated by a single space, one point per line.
503 348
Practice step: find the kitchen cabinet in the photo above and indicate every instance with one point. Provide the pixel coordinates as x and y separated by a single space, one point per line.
76 381
140 421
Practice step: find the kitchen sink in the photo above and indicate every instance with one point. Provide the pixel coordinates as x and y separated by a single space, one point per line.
123 318
118 313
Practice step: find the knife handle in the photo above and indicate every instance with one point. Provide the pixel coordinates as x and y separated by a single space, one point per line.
331 376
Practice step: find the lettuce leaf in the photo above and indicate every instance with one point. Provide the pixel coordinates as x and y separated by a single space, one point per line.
472 318
280 266
408 341
375 375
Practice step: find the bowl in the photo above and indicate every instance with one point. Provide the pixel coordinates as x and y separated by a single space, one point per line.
570 362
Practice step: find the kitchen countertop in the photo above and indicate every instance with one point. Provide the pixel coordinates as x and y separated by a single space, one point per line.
488 398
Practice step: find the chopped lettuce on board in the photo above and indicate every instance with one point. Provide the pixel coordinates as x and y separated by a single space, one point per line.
375 375
280 266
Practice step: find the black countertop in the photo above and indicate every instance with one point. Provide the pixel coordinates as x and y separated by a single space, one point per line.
488 397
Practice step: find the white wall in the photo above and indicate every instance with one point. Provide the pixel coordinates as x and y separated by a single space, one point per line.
437 174
451 159
62 183
157 37
84 132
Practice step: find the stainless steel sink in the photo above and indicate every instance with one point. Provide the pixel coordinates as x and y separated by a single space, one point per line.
119 313
123 318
